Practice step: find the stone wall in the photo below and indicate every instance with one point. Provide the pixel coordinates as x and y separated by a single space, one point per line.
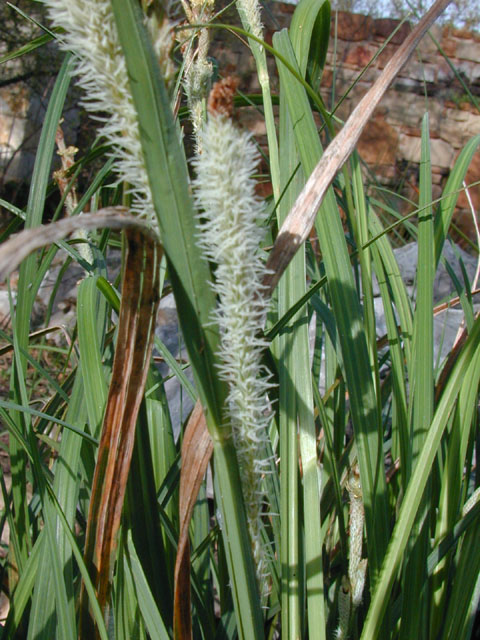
25 85
390 144
391 141
21 115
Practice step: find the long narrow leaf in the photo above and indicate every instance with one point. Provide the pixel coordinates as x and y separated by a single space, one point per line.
418 481
195 299
130 367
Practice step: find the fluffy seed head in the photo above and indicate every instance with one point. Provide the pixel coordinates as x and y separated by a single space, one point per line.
230 223
91 33
250 9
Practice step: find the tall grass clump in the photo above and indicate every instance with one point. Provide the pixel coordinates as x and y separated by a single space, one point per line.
325 483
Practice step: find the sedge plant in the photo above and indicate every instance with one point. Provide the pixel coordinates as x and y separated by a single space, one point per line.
341 502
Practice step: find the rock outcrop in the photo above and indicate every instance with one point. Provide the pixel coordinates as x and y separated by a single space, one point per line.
390 144
435 79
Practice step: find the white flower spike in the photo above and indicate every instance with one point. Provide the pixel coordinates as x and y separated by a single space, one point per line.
251 12
230 220
356 566
91 34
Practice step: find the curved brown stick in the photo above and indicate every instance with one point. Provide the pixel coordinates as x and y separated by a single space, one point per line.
20 245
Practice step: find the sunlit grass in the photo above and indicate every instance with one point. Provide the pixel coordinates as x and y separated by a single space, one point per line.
364 478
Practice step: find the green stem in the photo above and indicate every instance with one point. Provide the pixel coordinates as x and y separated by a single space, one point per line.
238 549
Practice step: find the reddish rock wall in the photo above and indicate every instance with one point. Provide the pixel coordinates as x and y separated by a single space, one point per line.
427 82
390 144
391 141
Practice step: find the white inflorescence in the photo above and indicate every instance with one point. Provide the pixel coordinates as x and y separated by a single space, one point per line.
251 11
356 566
230 221
91 34
198 69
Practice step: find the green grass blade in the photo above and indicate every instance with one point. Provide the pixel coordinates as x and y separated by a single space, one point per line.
91 310
418 481
168 178
176 369
64 620
400 429
423 323
162 443
49 418
65 487
463 601
89 588
298 372
332 468
41 177
399 293
238 548
361 231
26 294
27 48
310 32
452 537
128 620
195 300
446 207
260 57
415 596
292 311
452 485
292 574
21 596
201 563
23 592
113 299
151 616
348 315
13 429
151 542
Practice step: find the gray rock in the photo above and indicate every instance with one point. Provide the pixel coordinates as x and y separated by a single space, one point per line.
446 328
443 286
5 308
168 331
448 323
